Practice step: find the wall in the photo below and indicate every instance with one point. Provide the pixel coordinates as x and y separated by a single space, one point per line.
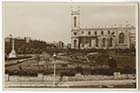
42 77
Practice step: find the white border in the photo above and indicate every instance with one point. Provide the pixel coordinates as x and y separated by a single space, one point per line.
137 45
137 52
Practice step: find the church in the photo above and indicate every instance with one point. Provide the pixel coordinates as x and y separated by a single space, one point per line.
115 37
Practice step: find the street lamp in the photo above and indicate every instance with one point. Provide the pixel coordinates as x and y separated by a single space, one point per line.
54 68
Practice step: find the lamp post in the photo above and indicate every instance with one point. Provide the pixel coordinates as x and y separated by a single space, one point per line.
54 68
54 74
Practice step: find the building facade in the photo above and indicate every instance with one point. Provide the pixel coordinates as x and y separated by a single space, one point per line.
99 38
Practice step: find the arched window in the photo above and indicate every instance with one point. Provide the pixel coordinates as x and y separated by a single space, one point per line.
89 33
102 32
121 38
104 42
113 33
75 21
75 33
108 32
97 42
95 33
110 42
75 42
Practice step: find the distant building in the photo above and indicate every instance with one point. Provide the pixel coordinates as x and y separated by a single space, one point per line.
101 37
26 45
133 39
7 39
55 44
68 45
60 44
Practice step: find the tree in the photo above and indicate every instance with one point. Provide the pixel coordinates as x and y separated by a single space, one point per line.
112 62
102 58
79 69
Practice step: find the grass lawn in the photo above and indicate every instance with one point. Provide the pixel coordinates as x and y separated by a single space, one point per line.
32 65
123 61
27 64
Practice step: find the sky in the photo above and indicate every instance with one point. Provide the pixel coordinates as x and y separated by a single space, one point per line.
52 21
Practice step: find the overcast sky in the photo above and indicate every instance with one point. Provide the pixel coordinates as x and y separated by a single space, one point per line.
52 21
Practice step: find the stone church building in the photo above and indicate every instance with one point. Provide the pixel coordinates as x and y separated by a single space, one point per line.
99 38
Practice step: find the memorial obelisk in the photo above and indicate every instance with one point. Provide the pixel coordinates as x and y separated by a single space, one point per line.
13 52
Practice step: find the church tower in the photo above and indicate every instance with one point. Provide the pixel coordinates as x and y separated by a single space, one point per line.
75 26
75 14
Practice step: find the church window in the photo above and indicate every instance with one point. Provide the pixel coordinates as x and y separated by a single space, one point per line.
75 21
97 42
89 33
110 42
121 38
82 42
113 33
95 32
104 42
75 33
102 32
75 42
108 32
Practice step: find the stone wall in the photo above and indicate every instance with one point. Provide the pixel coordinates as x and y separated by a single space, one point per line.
77 77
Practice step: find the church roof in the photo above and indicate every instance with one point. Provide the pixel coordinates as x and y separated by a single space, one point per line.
108 28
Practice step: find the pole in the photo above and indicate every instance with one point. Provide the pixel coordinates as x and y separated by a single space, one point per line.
54 75
13 43
54 68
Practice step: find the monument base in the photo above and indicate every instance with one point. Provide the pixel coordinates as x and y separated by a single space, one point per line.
12 54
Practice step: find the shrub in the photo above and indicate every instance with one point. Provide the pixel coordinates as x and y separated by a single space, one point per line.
103 71
79 69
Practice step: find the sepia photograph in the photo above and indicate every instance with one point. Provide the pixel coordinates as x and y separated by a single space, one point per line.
84 45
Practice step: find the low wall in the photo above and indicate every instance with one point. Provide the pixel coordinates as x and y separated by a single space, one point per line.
117 75
77 77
